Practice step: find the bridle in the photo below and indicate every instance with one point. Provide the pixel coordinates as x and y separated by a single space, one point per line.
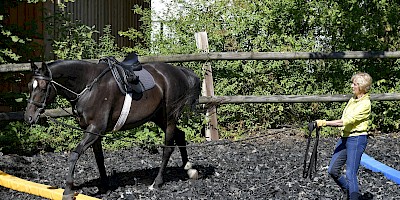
42 105
52 83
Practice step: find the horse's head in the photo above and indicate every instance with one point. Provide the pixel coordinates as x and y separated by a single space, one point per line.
41 91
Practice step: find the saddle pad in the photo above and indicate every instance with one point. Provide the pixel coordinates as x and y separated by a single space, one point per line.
145 78
147 81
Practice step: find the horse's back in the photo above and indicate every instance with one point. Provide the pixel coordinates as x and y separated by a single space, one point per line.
167 70
174 77
180 85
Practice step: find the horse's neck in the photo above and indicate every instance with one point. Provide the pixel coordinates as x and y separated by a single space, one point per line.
73 77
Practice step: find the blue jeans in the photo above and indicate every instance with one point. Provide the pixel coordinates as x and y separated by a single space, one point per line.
348 151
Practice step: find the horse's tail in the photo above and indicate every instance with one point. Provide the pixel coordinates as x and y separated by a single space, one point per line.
191 96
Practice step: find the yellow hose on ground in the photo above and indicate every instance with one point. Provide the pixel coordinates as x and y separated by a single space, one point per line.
37 189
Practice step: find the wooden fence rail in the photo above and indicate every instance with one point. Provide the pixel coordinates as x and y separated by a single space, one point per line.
217 100
292 98
18 116
239 56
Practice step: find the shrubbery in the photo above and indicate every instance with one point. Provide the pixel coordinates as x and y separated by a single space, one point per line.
255 26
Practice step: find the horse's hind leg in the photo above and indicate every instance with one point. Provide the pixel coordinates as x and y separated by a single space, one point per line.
181 143
87 141
167 151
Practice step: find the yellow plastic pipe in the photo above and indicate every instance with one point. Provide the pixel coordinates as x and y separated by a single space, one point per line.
37 189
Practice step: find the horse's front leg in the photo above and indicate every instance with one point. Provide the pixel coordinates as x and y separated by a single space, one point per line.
167 151
87 141
98 154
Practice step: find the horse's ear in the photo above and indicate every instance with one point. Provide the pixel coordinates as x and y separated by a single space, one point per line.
33 66
44 65
44 69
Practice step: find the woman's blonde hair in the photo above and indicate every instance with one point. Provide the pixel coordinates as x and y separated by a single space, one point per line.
364 80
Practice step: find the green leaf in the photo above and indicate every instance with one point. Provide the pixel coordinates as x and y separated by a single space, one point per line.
14 38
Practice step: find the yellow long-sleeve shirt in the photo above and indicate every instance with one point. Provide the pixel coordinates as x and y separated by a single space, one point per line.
355 116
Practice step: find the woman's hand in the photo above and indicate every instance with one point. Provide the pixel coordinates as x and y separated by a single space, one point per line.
320 123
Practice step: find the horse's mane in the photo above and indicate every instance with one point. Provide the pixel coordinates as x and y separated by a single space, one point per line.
65 62
55 62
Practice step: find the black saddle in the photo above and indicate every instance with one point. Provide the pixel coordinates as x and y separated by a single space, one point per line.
124 73
130 64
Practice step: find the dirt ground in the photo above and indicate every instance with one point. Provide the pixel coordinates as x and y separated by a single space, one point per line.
266 167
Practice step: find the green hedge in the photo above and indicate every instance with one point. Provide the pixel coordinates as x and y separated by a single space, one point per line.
249 26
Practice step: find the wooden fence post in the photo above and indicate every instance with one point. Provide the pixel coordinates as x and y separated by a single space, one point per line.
211 129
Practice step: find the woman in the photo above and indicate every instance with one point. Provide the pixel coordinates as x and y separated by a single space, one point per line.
354 136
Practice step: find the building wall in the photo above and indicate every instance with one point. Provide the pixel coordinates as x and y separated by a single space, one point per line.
98 13
14 84
118 14
26 16
13 90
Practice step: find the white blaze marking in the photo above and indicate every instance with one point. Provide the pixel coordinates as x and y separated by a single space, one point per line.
35 84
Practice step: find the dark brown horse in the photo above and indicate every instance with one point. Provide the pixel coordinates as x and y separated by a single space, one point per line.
97 102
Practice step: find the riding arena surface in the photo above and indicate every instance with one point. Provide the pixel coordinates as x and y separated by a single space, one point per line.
265 167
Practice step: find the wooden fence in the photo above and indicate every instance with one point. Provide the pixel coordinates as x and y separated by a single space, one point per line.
240 56
217 100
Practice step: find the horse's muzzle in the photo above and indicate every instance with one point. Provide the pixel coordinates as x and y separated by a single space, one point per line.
32 118
29 119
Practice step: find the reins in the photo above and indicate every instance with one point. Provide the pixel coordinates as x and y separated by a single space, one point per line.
70 126
88 87
217 143
312 165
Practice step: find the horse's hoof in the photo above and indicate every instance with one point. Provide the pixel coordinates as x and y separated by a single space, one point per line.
68 196
188 166
154 187
151 187
102 190
193 174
